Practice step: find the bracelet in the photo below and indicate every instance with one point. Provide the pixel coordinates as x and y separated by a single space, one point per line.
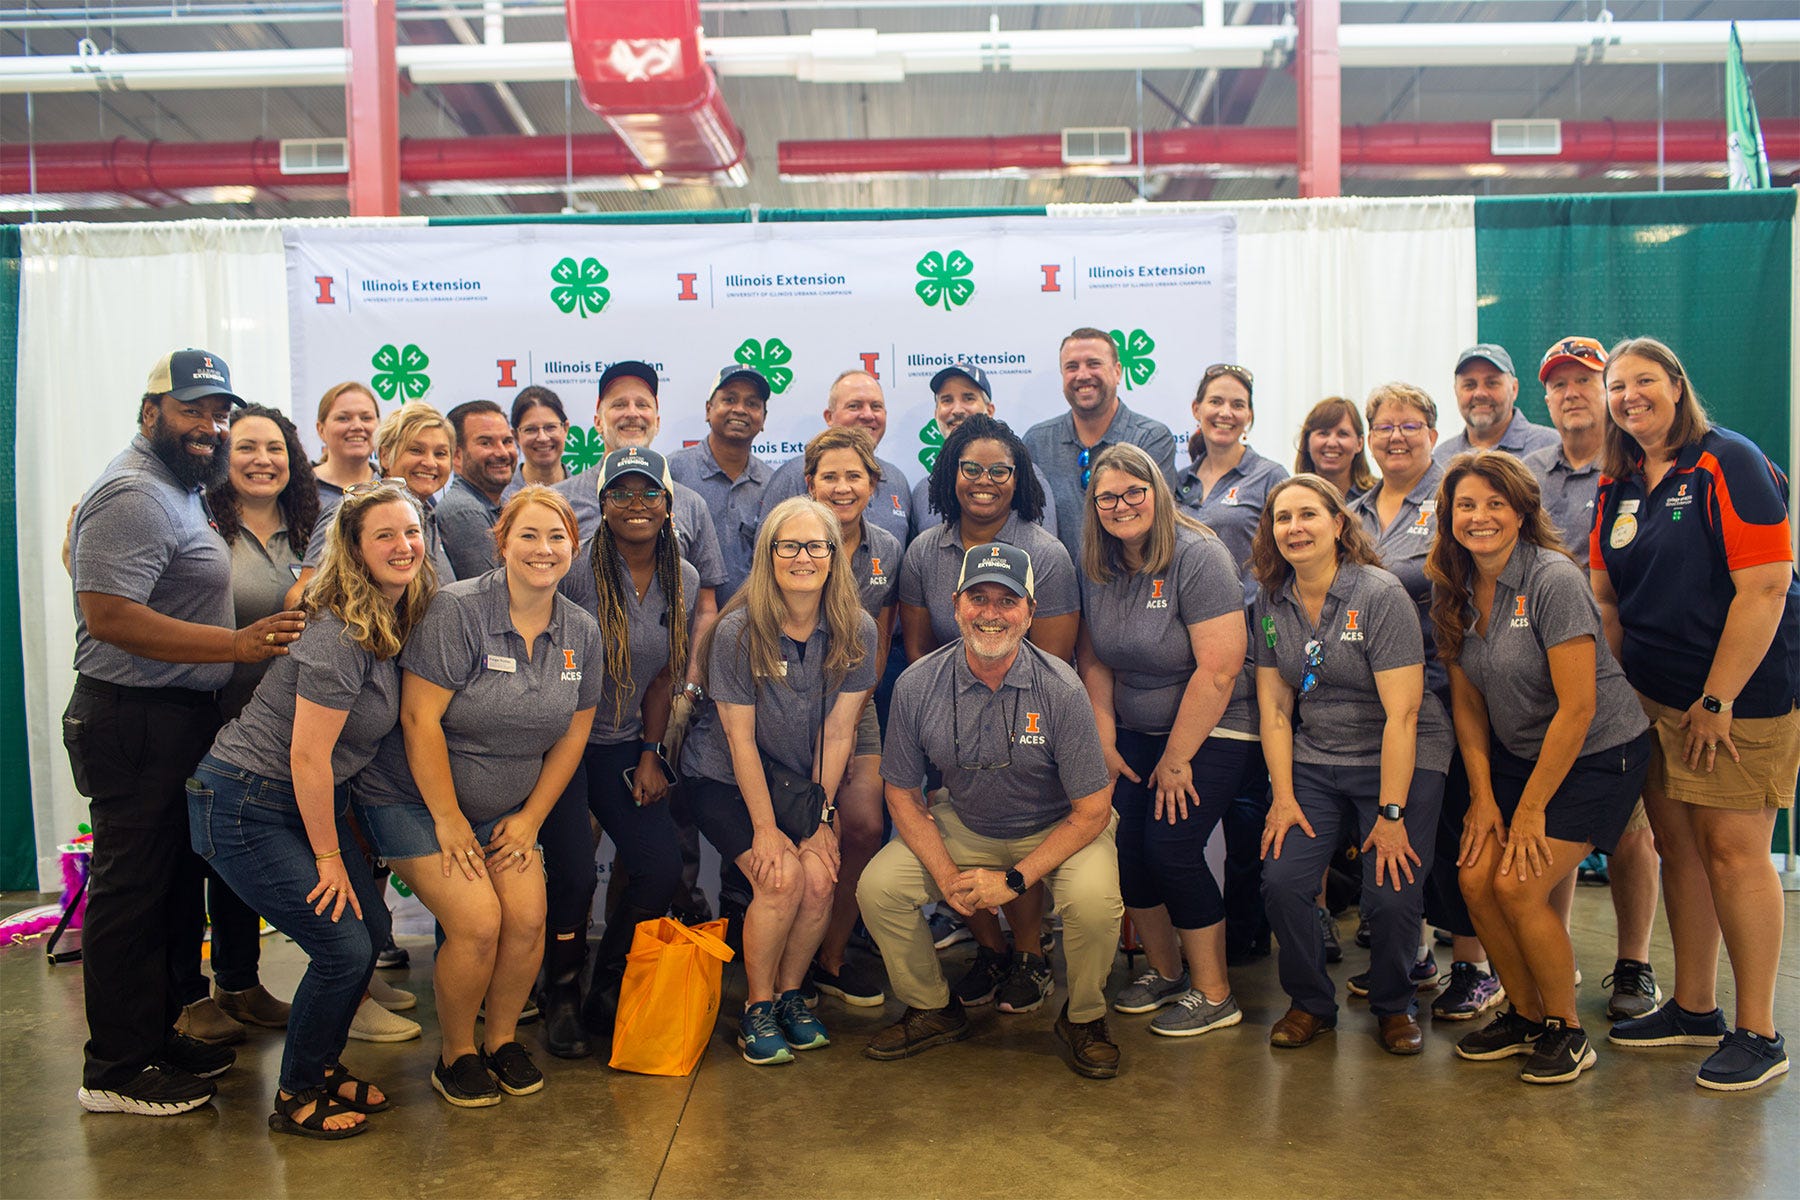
319 858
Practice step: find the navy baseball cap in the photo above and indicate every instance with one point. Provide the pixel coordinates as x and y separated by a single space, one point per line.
740 371
1494 354
629 368
969 371
192 375
997 562
630 460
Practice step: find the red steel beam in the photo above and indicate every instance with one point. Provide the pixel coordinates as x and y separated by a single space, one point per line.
1321 98
372 105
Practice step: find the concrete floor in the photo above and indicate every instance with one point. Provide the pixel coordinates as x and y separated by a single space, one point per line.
1220 1115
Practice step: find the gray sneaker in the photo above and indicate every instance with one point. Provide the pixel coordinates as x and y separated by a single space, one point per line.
1150 991
1193 1014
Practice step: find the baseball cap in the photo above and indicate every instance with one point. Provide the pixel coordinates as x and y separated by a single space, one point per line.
630 460
997 562
969 371
632 368
192 375
1494 354
1583 350
736 370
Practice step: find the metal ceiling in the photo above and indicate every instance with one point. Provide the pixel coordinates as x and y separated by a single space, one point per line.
774 110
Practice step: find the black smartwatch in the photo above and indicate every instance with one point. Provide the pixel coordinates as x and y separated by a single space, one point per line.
1713 704
1393 812
1015 881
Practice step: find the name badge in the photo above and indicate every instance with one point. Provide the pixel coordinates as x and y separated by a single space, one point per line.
499 662
1627 507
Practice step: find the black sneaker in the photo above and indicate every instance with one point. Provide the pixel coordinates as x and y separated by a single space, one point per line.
1561 1054
203 1060
1362 932
157 1091
512 1068
852 983
1744 1060
1670 1025
465 1083
983 978
1634 990
1334 950
1028 984
392 957
1506 1035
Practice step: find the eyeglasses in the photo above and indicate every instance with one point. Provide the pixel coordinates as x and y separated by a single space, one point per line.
998 472
790 549
626 498
1315 654
1217 369
374 485
1081 460
956 735
1411 429
1132 496
530 431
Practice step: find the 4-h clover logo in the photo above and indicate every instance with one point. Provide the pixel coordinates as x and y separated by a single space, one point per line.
582 449
578 287
946 279
931 438
771 358
1134 356
400 372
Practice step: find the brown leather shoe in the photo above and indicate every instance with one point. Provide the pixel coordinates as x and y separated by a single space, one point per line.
1400 1034
1094 1054
1299 1027
919 1030
253 1007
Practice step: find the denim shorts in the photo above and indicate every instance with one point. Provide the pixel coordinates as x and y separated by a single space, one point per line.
402 831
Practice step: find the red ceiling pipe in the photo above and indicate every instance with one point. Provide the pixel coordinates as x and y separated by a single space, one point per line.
1393 145
640 66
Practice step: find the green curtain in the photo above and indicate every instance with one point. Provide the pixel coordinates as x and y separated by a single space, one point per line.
1709 273
18 845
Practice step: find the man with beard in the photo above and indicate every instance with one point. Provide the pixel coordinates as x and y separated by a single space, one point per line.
485 460
154 644
1030 798
1486 387
958 392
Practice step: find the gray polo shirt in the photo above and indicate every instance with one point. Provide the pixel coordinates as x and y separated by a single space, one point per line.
876 566
1139 627
465 521
695 538
647 631
934 564
1234 506
1367 624
924 516
332 671
508 708
891 507
1543 599
787 709
1520 438
1568 494
1013 758
434 538
1056 451
1403 547
735 505
260 578
139 534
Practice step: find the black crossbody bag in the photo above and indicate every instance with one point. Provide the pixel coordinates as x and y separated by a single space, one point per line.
798 800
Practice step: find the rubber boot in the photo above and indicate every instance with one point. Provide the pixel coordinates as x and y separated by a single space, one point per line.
602 1006
564 955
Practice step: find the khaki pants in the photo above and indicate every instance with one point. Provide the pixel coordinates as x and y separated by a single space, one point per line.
895 886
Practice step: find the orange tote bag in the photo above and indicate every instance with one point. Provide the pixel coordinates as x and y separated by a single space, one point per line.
669 1001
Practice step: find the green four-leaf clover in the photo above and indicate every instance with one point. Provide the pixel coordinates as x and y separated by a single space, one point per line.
578 287
931 439
770 358
1134 356
946 279
400 372
582 449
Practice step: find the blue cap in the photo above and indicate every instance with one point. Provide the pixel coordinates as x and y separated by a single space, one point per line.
740 371
192 375
997 562
630 460
969 371
628 368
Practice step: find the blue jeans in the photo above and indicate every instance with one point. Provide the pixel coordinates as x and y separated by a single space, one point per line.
248 828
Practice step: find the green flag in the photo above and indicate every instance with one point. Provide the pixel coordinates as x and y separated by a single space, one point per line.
1746 158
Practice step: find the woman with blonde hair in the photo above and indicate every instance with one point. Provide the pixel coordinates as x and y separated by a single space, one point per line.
788 666
348 417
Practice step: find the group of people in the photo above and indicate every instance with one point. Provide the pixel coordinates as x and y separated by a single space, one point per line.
1052 669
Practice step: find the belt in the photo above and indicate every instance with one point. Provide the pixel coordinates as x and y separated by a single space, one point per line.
188 697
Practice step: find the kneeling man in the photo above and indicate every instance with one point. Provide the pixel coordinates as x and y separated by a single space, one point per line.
1027 797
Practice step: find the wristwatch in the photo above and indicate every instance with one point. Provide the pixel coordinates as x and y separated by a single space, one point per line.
1713 704
1015 881
655 748
693 691
1392 812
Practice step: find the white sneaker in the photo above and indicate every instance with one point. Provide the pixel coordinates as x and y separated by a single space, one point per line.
374 1023
390 997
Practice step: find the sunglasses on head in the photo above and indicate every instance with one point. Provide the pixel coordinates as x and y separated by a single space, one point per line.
1571 348
1243 374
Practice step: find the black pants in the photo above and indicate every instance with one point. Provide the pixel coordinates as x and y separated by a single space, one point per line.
236 945
1444 903
132 751
645 838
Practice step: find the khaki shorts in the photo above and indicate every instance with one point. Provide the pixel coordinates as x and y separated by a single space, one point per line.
1769 753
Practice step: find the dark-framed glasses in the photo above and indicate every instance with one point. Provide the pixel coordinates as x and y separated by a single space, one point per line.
785 548
998 472
1132 496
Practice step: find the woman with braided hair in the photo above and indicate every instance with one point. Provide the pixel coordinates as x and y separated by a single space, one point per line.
638 587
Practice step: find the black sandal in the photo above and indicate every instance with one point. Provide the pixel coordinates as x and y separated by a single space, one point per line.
282 1120
337 1075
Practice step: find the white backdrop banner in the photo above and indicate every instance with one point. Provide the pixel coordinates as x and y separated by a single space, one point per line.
461 313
